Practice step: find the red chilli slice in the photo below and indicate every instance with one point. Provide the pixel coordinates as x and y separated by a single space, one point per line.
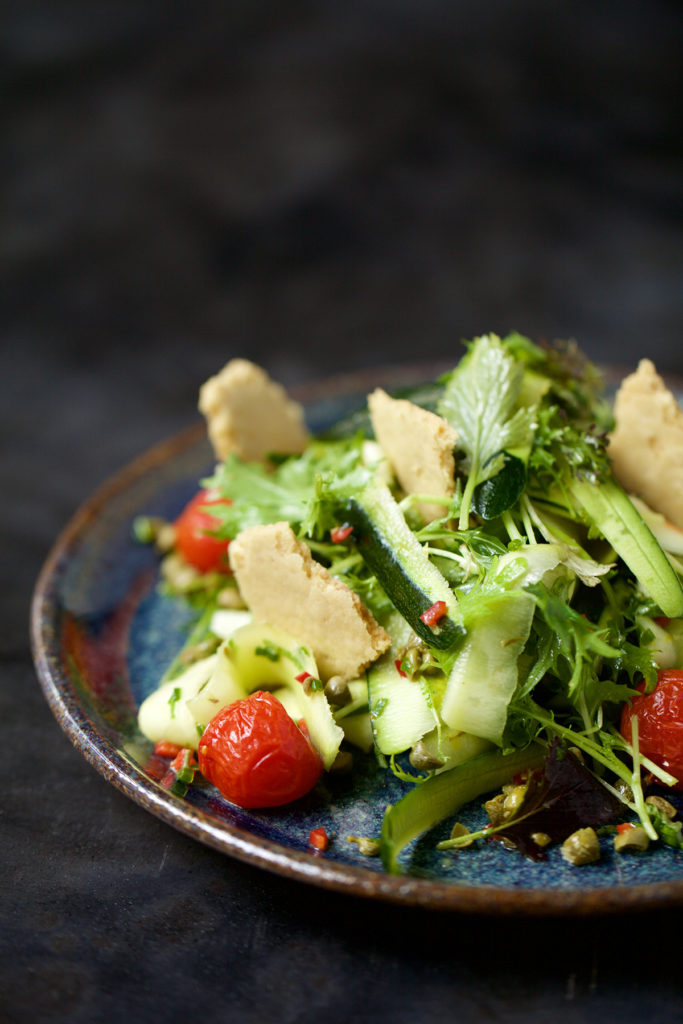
164 748
318 839
434 613
338 534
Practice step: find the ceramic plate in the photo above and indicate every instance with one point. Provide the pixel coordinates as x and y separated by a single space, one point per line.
102 637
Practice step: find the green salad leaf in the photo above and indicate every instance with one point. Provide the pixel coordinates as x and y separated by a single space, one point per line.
481 402
540 563
304 491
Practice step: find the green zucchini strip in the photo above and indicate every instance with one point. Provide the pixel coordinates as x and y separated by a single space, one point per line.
396 557
611 510
442 795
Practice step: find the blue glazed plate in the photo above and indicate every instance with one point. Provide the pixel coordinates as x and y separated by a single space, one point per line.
102 637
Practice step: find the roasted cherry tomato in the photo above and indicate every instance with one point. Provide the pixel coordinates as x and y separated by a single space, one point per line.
660 722
256 755
193 537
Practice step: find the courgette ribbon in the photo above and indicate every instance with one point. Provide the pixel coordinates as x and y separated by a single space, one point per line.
442 795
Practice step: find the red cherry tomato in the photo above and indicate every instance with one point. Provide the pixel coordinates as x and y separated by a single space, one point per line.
256 755
195 544
660 722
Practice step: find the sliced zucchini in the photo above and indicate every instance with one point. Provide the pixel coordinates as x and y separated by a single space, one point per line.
263 657
222 688
358 730
353 718
453 748
484 675
225 621
255 657
396 557
165 714
442 795
663 647
609 508
400 709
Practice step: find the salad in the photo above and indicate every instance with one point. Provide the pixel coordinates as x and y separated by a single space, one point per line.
451 581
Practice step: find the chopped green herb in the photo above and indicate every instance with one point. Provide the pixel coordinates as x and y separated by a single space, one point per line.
173 699
144 529
554 585
273 652
268 651
670 832
378 707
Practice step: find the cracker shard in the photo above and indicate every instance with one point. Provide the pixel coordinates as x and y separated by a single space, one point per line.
419 446
250 415
646 447
285 587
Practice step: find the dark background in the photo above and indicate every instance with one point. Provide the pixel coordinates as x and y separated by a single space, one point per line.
320 187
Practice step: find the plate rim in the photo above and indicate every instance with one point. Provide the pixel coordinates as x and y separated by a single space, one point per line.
304 867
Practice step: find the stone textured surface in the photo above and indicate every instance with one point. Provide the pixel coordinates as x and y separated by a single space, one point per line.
317 187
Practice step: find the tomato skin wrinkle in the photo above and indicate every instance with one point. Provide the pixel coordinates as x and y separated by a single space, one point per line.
193 534
256 755
660 722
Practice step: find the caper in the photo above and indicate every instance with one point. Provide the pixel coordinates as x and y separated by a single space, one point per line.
367 846
416 659
505 804
149 530
513 799
581 847
311 685
635 840
495 808
179 573
423 759
337 691
165 537
663 806
624 791
411 661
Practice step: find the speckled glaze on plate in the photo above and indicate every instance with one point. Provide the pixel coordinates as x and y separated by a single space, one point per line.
102 636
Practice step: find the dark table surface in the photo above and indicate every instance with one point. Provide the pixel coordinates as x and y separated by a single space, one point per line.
321 190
